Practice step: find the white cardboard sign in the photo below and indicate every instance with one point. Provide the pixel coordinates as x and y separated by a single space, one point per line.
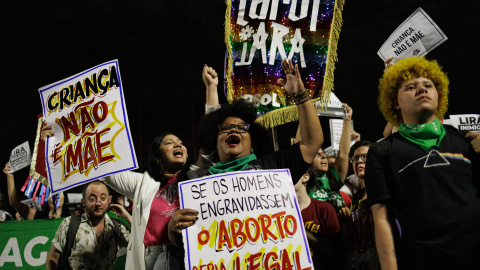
416 36
92 136
246 220
336 128
465 122
20 157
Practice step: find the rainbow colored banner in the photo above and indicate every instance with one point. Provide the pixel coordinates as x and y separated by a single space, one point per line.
259 34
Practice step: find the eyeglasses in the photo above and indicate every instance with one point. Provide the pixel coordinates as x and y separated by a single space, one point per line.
357 157
321 153
243 127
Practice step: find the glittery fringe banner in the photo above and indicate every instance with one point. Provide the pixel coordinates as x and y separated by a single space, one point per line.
37 181
318 78
332 56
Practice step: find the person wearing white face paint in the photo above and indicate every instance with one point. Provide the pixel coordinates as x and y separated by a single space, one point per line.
423 181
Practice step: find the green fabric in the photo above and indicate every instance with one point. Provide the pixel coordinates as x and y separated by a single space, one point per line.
232 166
25 244
322 181
112 214
425 136
321 190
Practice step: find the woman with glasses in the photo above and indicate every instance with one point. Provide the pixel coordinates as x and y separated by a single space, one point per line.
359 216
238 143
329 177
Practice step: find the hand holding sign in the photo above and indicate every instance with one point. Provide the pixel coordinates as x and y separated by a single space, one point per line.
7 170
475 136
47 131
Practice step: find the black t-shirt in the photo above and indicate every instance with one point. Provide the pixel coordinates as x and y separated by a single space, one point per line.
434 199
290 158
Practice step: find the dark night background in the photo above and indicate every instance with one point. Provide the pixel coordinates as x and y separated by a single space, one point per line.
162 46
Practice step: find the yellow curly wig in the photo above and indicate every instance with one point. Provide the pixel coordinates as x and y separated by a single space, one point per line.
406 69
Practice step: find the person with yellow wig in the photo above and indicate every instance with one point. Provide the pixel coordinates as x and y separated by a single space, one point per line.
423 181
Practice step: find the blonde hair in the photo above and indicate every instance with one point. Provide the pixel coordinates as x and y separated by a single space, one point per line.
404 70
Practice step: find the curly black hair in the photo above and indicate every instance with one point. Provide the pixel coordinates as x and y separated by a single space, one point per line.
262 142
154 163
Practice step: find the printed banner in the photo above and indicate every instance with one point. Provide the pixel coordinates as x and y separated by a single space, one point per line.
246 220
25 244
92 136
20 157
416 36
260 34
464 122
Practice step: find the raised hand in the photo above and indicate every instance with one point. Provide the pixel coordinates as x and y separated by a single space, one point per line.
348 110
209 76
293 83
475 136
47 131
182 219
7 169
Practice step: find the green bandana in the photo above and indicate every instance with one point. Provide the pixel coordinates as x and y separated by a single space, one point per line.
232 166
425 135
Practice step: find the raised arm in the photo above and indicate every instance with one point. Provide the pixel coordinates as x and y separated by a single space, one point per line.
309 124
384 237
210 78
121 212
25 211
341 162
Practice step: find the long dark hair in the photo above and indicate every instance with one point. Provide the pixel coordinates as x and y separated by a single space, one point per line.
313 173
155 168
261 138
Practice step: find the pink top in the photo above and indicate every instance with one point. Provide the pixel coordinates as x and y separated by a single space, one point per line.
163 205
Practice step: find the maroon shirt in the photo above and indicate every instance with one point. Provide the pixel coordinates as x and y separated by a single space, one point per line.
321 219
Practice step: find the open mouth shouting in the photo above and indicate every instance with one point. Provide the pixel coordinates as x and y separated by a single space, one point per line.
178 153
232 140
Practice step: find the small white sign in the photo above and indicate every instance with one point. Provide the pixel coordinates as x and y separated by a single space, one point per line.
416 36
336 128
465 122
32 203
20 157
334 107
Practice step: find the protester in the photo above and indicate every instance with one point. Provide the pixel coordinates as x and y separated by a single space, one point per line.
321 225
26 212
329 178
234 138
359 216
422 181
96 242
155 194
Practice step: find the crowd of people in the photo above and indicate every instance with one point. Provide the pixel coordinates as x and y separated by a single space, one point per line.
422 210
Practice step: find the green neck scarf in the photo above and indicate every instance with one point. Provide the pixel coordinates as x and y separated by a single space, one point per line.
232 166
322 182
425 136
